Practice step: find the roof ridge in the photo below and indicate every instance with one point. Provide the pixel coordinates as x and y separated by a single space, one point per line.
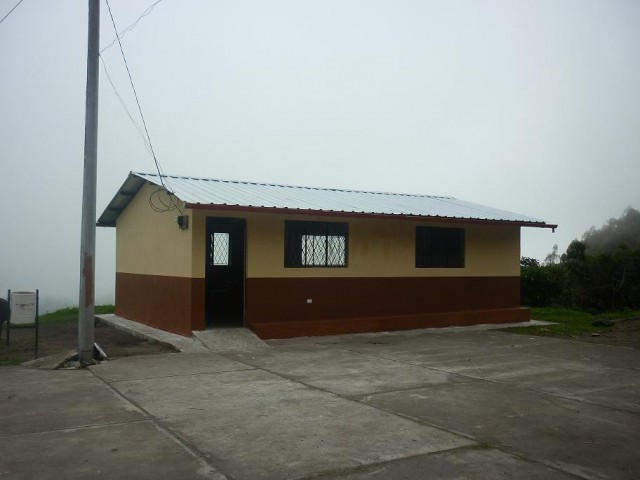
266 184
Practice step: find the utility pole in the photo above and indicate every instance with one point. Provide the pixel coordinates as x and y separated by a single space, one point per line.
86 329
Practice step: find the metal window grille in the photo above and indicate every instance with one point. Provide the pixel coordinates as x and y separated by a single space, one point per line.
219 249
315 244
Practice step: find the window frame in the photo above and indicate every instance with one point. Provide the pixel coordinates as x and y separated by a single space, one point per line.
449 244
295 232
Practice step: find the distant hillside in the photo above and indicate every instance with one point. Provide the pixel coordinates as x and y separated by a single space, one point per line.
616 232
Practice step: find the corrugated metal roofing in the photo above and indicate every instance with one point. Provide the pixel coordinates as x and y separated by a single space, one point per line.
204 192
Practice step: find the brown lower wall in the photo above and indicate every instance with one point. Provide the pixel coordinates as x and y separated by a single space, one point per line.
174 304
278 307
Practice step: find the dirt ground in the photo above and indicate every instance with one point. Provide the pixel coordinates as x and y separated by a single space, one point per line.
56 338
624 333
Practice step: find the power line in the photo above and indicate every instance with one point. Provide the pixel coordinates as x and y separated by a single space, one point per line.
132 26
135 94
14 7
124 105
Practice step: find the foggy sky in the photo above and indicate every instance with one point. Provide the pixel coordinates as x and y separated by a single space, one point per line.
530 106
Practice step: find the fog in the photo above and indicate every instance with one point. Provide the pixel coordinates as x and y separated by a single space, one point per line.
529 106
621 232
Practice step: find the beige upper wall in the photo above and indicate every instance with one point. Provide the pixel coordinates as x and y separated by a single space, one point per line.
377 248
150 242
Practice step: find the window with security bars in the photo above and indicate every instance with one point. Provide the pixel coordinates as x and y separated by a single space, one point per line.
315 244
439 247
219 251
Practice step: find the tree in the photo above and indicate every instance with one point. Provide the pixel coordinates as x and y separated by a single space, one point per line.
616 232
553 257
599 273
577 278
576 252
528 262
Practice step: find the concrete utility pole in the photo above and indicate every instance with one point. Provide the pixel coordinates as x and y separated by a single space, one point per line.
86 330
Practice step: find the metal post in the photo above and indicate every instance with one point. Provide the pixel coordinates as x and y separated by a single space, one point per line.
86 329
9 319
37 318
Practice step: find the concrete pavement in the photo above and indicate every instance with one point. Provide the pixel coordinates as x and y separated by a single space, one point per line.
180 343
463 404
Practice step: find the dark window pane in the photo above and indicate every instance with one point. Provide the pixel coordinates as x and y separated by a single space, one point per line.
438 247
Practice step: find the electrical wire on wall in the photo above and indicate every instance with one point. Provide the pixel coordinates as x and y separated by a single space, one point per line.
159 204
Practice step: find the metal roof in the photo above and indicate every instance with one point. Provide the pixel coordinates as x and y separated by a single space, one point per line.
210 193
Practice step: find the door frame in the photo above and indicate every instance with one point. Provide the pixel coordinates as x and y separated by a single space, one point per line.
242 221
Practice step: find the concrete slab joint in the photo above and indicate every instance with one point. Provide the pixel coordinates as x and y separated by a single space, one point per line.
453 404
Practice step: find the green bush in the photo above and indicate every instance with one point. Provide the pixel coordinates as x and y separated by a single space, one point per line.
595 283
541 285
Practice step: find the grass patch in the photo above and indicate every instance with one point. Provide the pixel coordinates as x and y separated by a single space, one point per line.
10 362
619 315
70 314
569 322
562 315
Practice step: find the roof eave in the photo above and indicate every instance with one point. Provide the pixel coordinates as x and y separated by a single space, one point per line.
122 198
332 213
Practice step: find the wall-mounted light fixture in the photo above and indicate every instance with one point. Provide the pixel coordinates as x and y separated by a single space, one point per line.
182 221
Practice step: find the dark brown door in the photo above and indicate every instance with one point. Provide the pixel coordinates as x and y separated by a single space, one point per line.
225 272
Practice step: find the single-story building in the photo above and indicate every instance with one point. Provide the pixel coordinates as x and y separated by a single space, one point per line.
286 261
